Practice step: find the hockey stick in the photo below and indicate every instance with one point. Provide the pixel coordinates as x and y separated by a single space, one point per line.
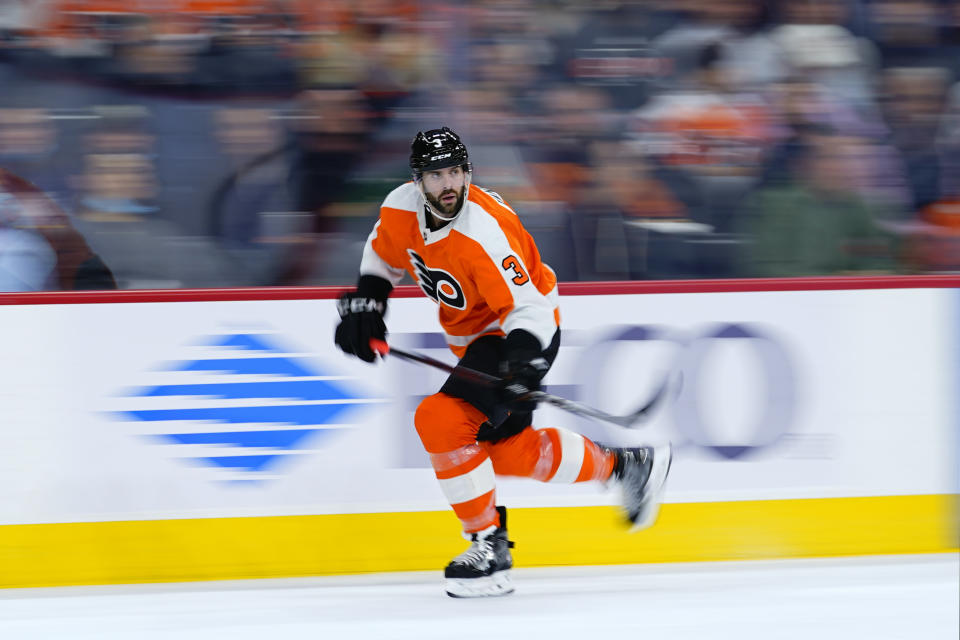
629 421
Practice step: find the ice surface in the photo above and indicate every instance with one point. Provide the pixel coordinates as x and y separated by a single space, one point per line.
901 598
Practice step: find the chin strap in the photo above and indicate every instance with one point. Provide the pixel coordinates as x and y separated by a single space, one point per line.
441 216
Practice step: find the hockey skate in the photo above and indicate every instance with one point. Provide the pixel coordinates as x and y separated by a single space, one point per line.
484 569
642 473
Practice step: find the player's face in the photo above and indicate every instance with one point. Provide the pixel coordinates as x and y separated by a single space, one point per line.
445 188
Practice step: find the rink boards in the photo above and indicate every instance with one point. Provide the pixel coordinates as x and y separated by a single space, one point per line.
167 436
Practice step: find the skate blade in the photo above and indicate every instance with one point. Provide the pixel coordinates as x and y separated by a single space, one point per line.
650 508
496 585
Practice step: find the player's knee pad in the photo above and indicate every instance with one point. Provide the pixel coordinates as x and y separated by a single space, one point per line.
445 423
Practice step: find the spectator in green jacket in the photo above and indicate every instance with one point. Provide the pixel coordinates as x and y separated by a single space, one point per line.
811 222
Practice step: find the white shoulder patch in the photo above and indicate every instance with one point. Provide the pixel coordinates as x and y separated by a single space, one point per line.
405 197
496 196
493 194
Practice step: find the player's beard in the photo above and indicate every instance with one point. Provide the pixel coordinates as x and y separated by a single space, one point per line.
452 208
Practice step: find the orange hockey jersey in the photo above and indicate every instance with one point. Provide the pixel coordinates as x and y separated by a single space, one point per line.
482 269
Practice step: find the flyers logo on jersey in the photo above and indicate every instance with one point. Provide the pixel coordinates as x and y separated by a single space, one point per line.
437 283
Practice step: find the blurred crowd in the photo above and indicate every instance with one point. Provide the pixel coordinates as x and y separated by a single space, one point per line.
218 143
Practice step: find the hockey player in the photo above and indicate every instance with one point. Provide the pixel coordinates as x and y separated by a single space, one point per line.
497 303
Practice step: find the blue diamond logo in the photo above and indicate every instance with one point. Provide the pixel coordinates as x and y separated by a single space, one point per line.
245 407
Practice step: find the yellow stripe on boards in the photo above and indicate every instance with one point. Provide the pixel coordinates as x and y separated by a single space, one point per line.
270 547
701 532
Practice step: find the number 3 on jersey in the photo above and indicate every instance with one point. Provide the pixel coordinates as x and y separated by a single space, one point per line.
511 262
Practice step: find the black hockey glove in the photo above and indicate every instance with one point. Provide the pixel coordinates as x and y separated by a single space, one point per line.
361 317
522 370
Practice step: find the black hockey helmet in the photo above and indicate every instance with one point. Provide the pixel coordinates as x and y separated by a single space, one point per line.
437 149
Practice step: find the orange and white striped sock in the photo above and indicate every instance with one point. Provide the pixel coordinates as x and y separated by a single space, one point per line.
551 455
567 457
467 479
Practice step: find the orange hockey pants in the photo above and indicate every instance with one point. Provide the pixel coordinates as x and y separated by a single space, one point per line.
466 469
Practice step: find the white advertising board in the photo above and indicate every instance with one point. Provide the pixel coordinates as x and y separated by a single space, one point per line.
194 409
